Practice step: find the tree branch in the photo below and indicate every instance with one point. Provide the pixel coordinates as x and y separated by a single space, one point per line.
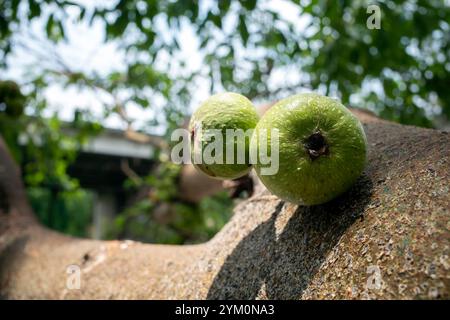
383 239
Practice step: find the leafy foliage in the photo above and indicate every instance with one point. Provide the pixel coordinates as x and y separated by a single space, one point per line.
244 42
173 222
68 212
162 217
37 142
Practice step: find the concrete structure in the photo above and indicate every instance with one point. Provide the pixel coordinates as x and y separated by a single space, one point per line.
100 167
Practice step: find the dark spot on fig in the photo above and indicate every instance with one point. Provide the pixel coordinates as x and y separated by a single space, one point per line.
316 145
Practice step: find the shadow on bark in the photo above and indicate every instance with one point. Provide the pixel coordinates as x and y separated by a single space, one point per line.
10 260
281 267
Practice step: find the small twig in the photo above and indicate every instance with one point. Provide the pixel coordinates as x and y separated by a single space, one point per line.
125 167
43 53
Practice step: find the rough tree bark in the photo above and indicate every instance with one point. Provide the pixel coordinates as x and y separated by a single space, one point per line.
388 237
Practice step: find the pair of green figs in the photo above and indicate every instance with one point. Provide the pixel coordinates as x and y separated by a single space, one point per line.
307 148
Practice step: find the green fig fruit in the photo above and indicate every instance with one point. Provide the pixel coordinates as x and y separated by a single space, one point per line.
321 145
224 114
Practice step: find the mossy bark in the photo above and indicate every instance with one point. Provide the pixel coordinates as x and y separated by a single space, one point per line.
388 237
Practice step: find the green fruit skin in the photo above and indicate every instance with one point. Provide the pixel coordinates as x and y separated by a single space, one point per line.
302 180
224 111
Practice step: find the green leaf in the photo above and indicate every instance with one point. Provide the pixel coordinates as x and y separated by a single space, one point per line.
249 4
35 9
61 29
243 31
49 26
224 5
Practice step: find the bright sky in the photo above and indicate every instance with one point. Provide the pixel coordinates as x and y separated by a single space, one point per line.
85 51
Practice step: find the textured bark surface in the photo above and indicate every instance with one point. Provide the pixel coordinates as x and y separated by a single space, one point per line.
394 222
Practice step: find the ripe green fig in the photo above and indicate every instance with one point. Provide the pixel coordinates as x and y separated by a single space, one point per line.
223 156
322 148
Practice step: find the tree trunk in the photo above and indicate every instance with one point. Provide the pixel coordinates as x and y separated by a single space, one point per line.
388 237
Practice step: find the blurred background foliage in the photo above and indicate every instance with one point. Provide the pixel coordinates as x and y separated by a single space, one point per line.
400 72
